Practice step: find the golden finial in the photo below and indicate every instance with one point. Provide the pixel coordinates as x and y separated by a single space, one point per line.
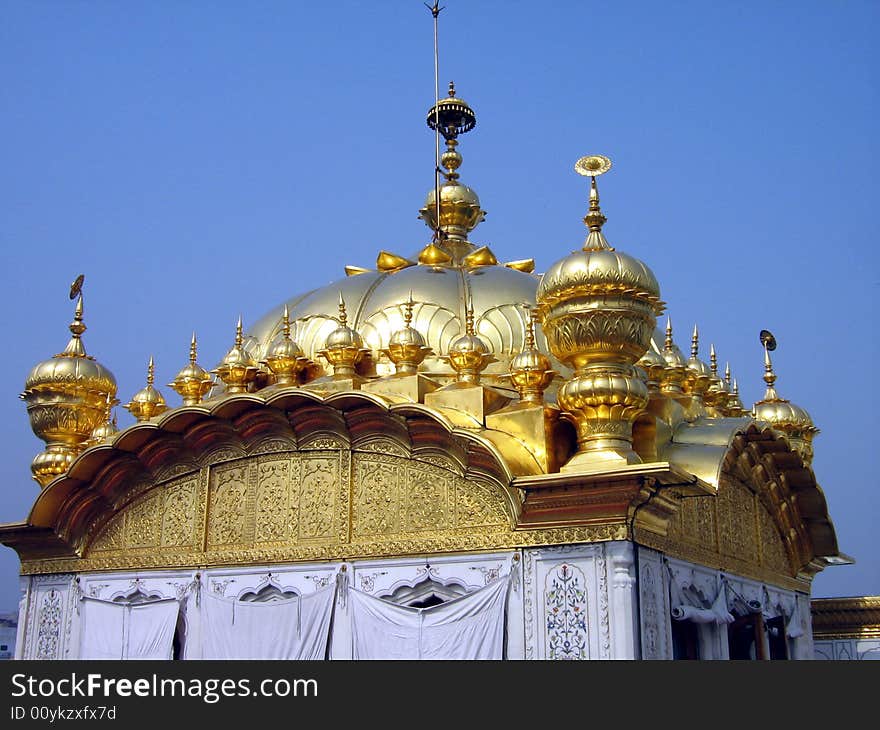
148 402
106 429
676 373
717 392
469 355
531 371
193 382
782 414
238 369
344 347
285 358
591 167
699 375
406 348
67 398
727 374
713 360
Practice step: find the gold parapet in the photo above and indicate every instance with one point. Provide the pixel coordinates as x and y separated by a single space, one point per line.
534 425
475 400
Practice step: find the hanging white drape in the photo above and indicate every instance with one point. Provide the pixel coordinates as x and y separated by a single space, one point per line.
297 628
127 631
686 607
469 627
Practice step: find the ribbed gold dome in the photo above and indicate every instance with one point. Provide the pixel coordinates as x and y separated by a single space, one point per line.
147 402
653 363
67 397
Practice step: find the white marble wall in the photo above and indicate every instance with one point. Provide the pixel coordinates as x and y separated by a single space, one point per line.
847 649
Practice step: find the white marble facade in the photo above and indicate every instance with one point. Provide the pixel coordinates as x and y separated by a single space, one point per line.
595 601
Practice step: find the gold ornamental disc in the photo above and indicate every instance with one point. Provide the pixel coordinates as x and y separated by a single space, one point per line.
592 165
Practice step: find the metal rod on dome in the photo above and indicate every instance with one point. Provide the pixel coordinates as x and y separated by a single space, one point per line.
435 11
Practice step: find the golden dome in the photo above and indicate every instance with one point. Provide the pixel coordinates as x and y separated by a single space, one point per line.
285 358
469 354
581 295
783 415
531 371
406 348
460 210
104 431
598 308
344 347
238 369
653 363
67 397
147 402
192 382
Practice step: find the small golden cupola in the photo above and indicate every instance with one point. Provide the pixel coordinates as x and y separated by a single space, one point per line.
238 369
105 430
458 211
406 347
531 371
469 354
598 308
193 382
68 396
700 374
344 348
653 363
147 402
784 416
675 375
285 358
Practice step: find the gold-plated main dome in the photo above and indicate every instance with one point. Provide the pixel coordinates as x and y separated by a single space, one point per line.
67 397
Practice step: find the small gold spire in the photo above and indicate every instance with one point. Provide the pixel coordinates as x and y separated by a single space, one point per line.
285 358
713 360
531 371
699 375
148 402
75 347
238 369
406 348
592 166
727 374
695 343
344 348
676 372
193 382
469 355
717 392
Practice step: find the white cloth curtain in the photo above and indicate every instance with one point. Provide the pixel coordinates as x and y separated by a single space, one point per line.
469 627
127 631
297 628
687 607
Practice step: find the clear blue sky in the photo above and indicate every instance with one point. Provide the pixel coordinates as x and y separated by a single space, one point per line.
200 159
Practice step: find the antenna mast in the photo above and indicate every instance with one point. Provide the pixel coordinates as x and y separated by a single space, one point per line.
435 12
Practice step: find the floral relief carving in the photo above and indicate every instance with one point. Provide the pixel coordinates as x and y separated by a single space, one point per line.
565 604
377 502
274 507
49 628
650 615
737 522
178 523
476 505
318 487
143 525
427 499
112 537
227 499
773 553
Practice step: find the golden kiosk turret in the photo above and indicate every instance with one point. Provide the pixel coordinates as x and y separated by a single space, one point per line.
68 396
598 308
